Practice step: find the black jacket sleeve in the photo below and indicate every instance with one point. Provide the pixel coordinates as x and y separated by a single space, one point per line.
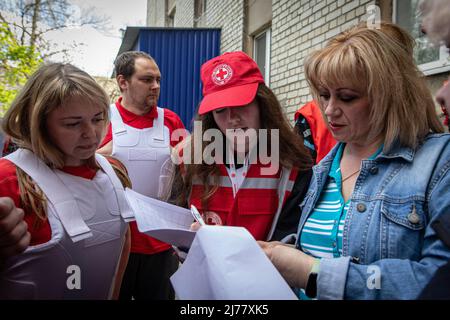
290 214
304 131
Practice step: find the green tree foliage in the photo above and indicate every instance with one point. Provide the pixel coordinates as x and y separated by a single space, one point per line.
24 25
17 63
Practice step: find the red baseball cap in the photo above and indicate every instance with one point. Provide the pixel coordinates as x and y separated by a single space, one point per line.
229 80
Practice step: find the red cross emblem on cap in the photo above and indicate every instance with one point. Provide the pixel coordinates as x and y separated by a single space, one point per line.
222 74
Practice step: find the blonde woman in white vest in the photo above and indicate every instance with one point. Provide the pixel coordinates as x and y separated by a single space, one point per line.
74 225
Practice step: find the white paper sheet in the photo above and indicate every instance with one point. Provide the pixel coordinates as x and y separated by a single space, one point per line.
227 263
163 221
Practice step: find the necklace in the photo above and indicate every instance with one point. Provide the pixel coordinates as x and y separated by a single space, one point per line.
351 175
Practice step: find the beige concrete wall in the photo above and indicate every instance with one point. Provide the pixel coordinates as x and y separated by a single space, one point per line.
225 14
184 17
259 15
156 13
299 27
228 15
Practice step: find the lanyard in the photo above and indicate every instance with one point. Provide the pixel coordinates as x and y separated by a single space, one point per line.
236 177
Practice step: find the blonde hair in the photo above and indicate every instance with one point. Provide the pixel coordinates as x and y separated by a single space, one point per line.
49 88
398 34
402 108
46 90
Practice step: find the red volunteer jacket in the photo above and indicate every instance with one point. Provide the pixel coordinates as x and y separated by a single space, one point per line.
255 204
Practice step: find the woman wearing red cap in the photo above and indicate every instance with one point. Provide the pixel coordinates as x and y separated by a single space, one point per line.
240 185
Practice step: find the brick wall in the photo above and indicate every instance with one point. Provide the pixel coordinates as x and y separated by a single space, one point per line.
184 16
299 27
228 15
225 14
156 13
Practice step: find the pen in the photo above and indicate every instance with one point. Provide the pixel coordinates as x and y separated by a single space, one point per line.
197 215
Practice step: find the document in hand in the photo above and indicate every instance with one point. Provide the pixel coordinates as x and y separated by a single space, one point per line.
163 221
226 263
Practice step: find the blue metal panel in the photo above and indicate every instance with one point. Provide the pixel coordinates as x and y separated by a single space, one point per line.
179 54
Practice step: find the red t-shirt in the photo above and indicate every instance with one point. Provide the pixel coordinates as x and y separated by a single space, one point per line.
9 187
141 243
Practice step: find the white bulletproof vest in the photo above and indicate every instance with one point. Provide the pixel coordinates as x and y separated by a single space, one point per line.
142 151
88 223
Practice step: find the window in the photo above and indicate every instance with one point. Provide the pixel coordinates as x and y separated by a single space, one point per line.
199 10
431 60
261 53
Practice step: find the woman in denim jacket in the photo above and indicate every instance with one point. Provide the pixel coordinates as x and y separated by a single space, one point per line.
365 230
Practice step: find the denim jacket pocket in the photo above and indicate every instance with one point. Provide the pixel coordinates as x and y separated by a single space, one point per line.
402 226
409 214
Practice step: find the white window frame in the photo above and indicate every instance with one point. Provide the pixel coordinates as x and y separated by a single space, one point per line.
268 33
434 67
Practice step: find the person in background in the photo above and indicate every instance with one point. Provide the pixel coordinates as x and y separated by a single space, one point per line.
443 98
63 213
140 136
366 225
310 125
436 26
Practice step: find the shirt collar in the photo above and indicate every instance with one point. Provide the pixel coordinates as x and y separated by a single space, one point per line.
335 170
152 114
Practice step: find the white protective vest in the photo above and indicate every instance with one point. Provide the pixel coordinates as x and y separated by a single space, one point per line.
144 152
88 223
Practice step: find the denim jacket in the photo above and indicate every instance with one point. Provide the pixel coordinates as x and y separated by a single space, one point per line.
390 250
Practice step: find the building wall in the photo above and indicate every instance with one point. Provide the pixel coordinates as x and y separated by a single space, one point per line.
299 27
259 15
156 13
184 16
225 14
228 15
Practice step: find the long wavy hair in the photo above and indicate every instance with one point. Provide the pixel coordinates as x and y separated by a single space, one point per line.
292 153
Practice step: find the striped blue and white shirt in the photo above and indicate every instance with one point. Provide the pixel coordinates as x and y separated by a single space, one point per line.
321 235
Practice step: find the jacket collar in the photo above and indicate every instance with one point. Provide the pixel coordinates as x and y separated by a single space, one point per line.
396 151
